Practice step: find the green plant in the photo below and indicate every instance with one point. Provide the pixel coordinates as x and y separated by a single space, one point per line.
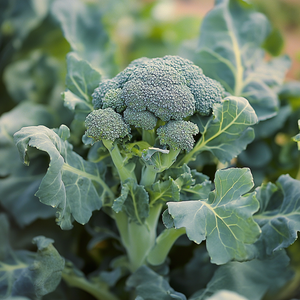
183 171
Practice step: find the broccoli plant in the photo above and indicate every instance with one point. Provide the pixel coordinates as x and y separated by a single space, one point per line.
154 175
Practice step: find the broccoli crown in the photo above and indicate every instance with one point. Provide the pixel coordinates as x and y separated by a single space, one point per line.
140 119
106 124
171 88
178 134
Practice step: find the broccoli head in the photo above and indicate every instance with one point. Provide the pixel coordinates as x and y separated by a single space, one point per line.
178 134
171 88
106 124
140 119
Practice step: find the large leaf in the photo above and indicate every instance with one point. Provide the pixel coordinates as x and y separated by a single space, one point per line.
149 285
34 78
18 189
252 279
230 51
17 20
81 80
83 28
134 200
19 183
226 133
224 219
279 213
24 273
72 185
14 120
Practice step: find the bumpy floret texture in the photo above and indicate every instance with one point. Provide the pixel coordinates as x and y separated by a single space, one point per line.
113 100
101 90
206 92
106 124
178 134
140 119
171 87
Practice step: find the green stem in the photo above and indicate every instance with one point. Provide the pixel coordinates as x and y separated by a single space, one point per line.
149 136
91 288
138 239
126 171
148 175
164 243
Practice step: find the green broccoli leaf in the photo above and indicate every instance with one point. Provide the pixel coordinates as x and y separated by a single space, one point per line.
224 219
230 51
83 28
81 80
19 183
226 133
24 273
279 213
251 279
72 185
36 114
134 200
163 191
149 285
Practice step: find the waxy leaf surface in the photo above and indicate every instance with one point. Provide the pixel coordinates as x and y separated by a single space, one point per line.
134 200
224 219
28 274
279 214
226 133
230 51
81 80
152 286
71 184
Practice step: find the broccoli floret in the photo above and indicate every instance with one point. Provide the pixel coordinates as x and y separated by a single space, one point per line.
140 119
113 100
100 92
106 124
206 92
178 134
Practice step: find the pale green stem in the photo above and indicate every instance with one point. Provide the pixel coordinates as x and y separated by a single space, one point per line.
138 239
93 289
164 243
148 175
125 171
149 136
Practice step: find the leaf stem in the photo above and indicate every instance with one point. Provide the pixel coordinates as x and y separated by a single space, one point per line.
91 288
126 171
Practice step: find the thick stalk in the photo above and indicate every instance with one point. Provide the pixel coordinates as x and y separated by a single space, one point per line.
125 171
138 239
93 289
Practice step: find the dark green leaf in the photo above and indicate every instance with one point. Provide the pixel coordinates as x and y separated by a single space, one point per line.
14 120
164 191
230 51
33 275
226 133
83 28
224 219
151 286
134 200
252 279
72 185
81 80
279 223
